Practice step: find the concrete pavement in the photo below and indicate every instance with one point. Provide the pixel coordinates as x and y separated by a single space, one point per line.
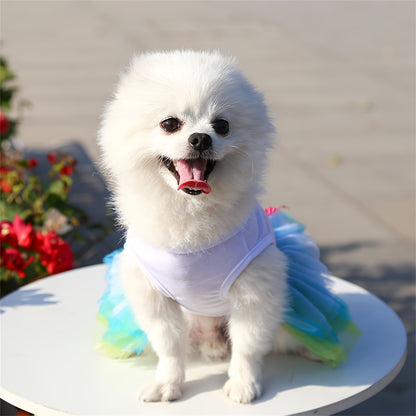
339 79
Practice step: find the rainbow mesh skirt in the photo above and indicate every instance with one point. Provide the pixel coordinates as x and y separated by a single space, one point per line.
317 318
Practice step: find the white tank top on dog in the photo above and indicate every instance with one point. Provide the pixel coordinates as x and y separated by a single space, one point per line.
200 280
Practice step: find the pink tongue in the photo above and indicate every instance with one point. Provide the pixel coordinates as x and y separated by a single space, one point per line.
191 174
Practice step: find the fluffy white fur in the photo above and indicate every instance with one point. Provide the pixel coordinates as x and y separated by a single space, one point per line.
196 88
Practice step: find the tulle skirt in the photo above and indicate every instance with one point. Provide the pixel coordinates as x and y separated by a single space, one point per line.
317 318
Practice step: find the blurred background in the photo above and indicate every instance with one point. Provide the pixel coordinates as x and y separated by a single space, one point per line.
339 78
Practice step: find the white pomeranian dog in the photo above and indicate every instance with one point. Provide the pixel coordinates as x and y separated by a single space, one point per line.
184 142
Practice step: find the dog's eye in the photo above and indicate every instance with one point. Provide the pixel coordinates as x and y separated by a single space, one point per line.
221 126
171 125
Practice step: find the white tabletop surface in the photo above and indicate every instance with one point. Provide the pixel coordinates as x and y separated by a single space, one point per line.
49 364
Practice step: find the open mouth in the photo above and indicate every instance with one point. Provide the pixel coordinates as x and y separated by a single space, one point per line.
191 174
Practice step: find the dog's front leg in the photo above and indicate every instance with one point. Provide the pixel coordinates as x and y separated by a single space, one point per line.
257 301
162 320
167 341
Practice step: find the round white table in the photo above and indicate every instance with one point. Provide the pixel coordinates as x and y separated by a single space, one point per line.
50 366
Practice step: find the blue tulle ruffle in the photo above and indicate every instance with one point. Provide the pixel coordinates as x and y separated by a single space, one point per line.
122 336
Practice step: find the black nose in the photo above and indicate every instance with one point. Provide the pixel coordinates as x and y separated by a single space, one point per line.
200 141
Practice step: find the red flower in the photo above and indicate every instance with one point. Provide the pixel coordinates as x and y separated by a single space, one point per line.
7 234
13 259
5 186
52 157
24 232
4 123
37 244
32 163
56 254
67 170
5 170
17 233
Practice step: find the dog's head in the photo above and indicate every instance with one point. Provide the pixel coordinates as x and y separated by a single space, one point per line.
187 123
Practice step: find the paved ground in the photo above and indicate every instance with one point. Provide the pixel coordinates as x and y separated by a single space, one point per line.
339 79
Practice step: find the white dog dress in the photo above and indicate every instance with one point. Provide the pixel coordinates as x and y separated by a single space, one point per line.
199 281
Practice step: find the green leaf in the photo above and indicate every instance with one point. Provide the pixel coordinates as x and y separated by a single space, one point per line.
56 192
5 75
67 180
9 211
18 187
4 274
6 97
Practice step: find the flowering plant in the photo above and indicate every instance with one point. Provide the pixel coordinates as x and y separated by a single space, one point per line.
36 221
9 123
34 217
26 251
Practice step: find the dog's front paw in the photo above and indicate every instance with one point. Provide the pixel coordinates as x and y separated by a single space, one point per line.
241 392
160 392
